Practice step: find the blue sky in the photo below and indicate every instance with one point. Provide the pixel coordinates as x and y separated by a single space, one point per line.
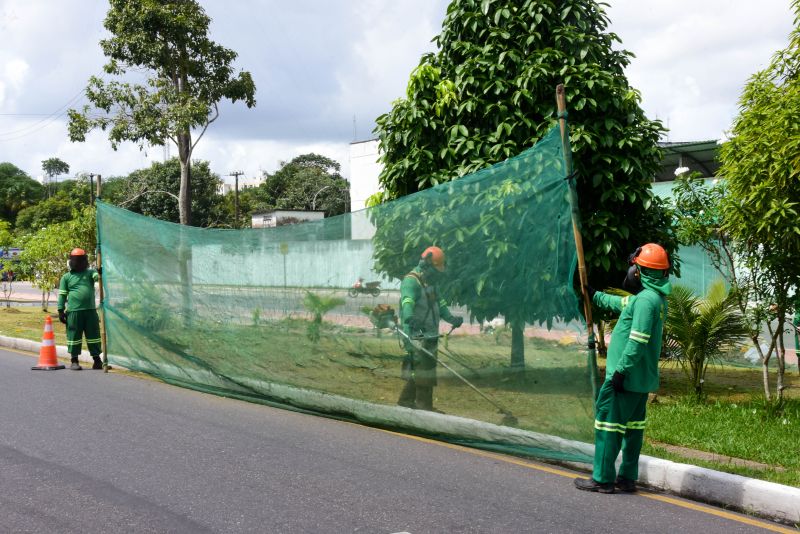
320 64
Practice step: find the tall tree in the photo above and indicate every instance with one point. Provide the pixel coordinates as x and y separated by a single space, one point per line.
488 93
762 207
188 75
17 191
53 167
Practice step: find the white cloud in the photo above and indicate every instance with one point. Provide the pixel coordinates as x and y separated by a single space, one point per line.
15 72
316 64
693 58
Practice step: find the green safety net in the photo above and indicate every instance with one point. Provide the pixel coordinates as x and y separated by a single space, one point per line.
271 315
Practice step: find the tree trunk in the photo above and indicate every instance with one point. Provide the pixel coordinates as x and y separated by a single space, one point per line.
765 375
185 194
781 364
517 346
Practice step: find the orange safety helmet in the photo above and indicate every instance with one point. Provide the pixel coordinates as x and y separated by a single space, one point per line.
652 256
435 256
77 252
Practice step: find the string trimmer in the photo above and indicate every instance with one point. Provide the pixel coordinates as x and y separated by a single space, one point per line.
508 418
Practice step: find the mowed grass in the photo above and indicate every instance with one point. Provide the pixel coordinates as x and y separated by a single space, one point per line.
731 420
550 397
28 323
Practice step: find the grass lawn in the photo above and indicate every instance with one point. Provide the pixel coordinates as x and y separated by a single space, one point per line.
550 397
733 420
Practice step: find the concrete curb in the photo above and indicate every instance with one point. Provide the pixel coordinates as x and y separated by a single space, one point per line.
33 346
765 499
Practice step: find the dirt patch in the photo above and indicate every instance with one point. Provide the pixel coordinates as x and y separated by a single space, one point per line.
694 454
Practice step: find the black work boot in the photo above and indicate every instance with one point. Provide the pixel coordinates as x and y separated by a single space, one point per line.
407 395
424 398
74 365
98 363
625 485
591 484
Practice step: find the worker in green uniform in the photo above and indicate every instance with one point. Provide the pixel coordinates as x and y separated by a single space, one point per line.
76 292
631 370
421 308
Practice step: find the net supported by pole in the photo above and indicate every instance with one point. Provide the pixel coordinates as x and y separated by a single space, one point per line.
271 315
576 224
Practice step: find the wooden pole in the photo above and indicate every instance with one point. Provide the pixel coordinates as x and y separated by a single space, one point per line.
103 339
576 218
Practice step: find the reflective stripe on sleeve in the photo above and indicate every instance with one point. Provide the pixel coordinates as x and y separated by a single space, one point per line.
407 300
641 337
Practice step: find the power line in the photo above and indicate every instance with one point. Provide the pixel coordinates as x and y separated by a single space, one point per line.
43 123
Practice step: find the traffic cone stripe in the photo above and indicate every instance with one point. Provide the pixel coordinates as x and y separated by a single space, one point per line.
47 352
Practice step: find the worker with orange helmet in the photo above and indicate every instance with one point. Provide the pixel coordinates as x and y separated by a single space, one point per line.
631 369
77 310
421 308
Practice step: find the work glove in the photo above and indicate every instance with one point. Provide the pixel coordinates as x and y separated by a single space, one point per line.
618 381
62 316
457 321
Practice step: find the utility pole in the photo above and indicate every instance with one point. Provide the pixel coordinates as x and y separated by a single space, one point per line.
236 175
91 188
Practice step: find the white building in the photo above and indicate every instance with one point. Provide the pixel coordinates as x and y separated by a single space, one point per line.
244 183
364 172
272 219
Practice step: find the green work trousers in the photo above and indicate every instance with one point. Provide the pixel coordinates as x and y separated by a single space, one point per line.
419 371
79 323
619 424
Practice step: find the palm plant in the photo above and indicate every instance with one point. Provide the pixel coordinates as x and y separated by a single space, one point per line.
699 331
319 305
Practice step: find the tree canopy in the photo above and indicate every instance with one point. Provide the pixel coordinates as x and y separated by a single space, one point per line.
154 192
17 191
56 209
488 93
187 73
54 167
761 207
307 182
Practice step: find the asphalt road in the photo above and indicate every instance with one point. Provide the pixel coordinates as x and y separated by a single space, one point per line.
93 452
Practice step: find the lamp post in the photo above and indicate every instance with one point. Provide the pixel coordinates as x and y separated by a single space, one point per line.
314 198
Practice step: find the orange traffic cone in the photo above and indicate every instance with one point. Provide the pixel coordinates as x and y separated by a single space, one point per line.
47 354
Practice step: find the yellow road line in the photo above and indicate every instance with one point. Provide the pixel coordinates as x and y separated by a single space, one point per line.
720 513
646 494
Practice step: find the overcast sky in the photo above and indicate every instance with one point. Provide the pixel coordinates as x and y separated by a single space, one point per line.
325 69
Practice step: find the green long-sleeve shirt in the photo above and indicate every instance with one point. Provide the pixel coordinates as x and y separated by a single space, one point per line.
636 340
421 301
76 290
